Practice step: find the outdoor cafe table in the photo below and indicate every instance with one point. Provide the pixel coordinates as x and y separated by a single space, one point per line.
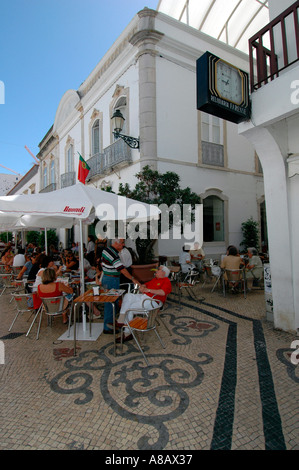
89 297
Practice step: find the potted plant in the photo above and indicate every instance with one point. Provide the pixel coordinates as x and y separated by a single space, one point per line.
250 231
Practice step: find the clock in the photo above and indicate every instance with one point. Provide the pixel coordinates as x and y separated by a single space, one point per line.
229 82
222 89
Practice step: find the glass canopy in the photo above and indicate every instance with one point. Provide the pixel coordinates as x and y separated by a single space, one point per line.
230 21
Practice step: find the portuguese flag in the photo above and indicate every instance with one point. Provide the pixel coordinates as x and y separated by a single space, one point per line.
83 169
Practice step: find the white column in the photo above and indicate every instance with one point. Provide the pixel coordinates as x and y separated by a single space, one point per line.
279 221
146 39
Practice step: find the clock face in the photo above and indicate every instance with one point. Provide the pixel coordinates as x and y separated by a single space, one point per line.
229 82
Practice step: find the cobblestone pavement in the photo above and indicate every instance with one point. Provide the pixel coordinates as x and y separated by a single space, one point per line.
224 381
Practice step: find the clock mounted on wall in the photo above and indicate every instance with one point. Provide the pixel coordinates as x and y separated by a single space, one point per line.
222 89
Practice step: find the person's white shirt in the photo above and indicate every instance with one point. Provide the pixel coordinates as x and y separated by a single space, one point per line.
19 260
185 261
126 257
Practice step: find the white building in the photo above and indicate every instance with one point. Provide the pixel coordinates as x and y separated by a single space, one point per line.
149 74
7 182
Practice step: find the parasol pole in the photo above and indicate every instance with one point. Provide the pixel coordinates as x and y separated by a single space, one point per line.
81 261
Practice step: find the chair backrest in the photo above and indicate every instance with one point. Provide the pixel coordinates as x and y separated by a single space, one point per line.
234 275
53 305
3 269
151 303
152 308
152 315
16 270
6 279
23 302
130 287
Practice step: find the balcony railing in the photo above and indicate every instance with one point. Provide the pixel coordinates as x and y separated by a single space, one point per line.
68 179
48 189
281 37
116 155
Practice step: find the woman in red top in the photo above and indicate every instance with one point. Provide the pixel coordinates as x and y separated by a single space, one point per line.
51 288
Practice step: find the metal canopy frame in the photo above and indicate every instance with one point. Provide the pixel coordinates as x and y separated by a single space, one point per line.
230 21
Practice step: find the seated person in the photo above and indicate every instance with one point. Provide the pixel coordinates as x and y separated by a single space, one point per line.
254 269
19 259
26 268
197 255
47 262
185 259
232 261
7 257
159 287
51 288
70 262
36 266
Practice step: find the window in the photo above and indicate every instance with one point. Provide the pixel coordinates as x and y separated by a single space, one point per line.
52 172
212 140
95 138
213 219
45 177
69 159
121 104
211 129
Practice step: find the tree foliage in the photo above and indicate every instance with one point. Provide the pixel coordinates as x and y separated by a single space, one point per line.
158 188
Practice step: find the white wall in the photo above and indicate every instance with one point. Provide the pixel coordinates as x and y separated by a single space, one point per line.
278 6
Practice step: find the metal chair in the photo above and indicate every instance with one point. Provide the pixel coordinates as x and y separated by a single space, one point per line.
216 272
188 281
134 289
16 270
6 282
143 321
130 288
161 310
4 269
23 304
53 307
233 279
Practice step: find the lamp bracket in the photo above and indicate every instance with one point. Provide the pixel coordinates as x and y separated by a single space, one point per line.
132 142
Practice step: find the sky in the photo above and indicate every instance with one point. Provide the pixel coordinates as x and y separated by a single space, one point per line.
46 48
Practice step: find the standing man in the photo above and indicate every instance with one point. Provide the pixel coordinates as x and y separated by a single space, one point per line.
112 268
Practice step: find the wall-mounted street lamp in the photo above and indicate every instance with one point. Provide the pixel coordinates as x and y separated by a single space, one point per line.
117 125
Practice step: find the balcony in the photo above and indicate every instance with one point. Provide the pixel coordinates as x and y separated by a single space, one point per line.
67 179
48 189
274 48
117 155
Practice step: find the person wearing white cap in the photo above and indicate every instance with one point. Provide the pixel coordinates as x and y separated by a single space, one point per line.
159 288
